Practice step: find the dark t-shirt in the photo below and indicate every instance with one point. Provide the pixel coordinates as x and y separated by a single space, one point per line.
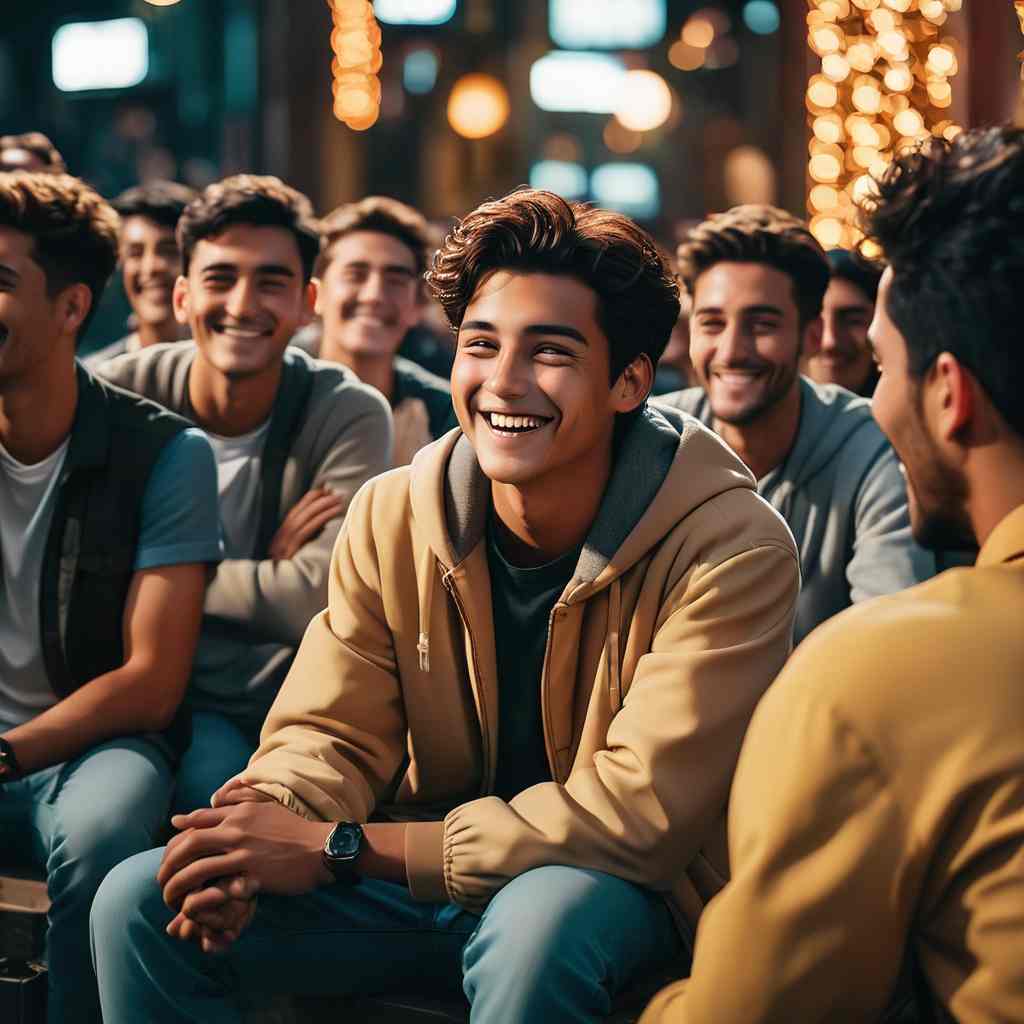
522 600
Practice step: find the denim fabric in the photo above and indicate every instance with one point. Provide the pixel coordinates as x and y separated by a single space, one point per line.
78 820
555 944
220 749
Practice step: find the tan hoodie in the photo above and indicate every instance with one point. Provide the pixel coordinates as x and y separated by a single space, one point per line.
678 617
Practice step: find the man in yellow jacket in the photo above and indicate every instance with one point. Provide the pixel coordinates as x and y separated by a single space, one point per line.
502 756
876 824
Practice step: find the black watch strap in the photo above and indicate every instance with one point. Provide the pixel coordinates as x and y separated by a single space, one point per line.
341 848
9 767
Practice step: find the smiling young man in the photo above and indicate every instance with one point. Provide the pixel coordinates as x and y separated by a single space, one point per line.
757 277
541 647
840 353
294 439
371 295
108 516
878 811
150 263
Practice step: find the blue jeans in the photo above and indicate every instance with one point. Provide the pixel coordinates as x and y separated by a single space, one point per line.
78 820
220 749
555 944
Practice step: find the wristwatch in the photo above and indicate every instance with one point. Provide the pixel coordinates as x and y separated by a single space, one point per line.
10 770
341 848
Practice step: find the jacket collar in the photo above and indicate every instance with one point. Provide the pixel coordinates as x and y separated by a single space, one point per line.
1006 542
90 431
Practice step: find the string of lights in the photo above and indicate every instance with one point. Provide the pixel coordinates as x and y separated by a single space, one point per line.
355 40
885 85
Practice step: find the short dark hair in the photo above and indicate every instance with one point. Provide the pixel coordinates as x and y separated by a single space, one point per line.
73 228
384 215
254 199
39 146
539 232
949 218
757 233
162 202
851 266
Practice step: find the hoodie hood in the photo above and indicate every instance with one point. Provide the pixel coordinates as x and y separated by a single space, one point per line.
667 465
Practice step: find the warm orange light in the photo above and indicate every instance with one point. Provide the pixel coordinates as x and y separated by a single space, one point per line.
699 32
478 106
685 57
645 101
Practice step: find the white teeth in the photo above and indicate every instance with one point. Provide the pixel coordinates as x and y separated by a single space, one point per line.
502 422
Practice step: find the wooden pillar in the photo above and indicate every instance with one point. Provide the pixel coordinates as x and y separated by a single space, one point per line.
993 70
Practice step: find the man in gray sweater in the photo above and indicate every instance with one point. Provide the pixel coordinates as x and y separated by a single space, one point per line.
294 439
757 278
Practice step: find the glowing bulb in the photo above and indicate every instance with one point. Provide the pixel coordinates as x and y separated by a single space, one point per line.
894 44
828 231
478 106
822 93
952 132
940 93
828 128
867 99
699 32
864 133
899 79
941 60
685 57
824 198
827 39
900 6
835 67
908 122
861 56
864 156
863 188
645 101
824 167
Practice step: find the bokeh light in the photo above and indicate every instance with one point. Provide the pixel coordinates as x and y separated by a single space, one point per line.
478 106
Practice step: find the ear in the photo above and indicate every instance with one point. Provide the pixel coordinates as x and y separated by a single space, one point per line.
950 396
633 384
810 341
311 300
180 300
73 305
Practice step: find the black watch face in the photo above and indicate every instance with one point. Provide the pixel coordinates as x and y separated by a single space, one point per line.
344 842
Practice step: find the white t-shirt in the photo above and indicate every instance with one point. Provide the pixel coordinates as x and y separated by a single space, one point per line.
239 487
27 496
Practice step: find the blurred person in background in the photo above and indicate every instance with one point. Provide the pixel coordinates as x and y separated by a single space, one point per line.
150 264
31 151
371 294
877 817
757 278
108 523
293 438
542 645
841 353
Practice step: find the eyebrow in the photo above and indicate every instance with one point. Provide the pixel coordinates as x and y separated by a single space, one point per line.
747 310
264 268
559 330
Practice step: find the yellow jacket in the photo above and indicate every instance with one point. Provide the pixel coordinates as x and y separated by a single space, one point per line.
678 617
879 806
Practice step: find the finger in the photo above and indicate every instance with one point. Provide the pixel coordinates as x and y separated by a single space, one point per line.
328 503
205 817
215 942
316 524
204 900
310 496
235 782
243 887
197 874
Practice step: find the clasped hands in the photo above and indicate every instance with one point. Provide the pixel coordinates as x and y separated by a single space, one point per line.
224 855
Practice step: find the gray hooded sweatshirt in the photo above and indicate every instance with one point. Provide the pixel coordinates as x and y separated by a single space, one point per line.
841 491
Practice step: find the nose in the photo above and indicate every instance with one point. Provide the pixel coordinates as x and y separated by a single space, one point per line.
508 378
732 345
154 262
241 300
830 340
372 288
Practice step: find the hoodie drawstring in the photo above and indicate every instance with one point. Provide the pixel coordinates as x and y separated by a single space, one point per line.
612 646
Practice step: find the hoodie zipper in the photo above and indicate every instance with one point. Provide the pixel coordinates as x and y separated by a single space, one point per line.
485 732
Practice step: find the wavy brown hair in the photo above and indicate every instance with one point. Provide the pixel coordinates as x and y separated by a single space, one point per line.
758 233
384 215
40 146
538 232
73 229
950 221
255 199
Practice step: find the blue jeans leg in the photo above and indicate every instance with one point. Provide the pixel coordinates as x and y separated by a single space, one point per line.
91 814
363 939
220 749
558 943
